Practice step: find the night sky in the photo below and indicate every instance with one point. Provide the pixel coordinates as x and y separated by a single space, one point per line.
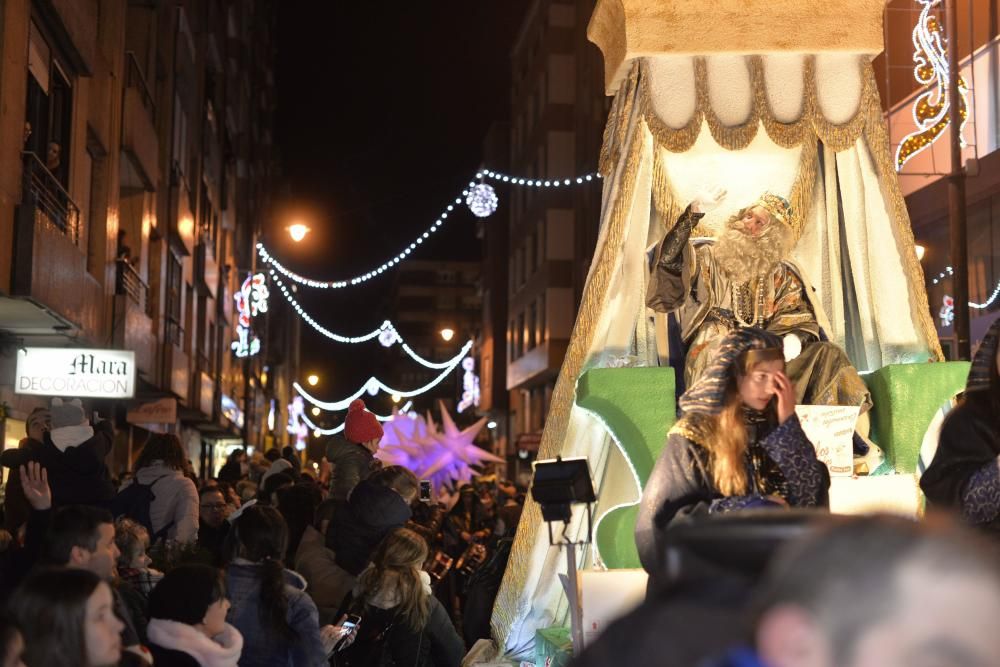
382 112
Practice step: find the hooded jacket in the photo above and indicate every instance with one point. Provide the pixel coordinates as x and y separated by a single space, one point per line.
261 646
329 583
357 526
176 644
78 475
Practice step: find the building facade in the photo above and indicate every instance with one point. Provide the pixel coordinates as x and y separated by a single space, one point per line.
558 110
136 155
428 298
923 179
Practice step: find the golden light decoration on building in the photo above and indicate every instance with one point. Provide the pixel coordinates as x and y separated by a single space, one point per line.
930 109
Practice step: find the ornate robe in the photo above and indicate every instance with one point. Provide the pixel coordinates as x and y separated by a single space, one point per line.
709 305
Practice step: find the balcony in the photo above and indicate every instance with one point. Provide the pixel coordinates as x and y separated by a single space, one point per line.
50 266
133 324
139 138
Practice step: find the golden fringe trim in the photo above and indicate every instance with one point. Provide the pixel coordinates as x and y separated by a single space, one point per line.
802 194
877 138
564 395
621 111
811 123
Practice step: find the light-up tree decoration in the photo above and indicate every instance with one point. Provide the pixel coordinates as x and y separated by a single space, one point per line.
444 456
930 109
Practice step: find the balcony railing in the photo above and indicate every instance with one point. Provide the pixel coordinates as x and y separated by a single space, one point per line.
135 79
130 284
52 203
174 331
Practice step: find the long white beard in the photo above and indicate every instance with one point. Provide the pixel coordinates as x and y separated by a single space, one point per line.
743 257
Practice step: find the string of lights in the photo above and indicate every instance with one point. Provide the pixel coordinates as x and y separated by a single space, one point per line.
480 198
317 431
374 385
386 332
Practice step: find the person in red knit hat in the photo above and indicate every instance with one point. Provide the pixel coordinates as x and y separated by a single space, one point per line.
353 457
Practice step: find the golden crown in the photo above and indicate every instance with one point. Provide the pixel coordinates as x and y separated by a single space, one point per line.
778 207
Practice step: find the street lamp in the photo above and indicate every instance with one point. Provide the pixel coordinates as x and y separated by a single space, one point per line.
920 252
298 231
396 398
313 380
315 412
447 334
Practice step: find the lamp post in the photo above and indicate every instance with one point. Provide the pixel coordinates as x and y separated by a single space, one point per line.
298 231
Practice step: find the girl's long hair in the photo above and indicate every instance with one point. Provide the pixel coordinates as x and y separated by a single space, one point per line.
50 607
164 447
395 571
261 536
727 441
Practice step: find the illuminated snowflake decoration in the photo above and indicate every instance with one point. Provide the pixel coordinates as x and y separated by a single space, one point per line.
482 200
445 456
388 336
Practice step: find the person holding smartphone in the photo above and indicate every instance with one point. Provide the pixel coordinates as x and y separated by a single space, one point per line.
737 445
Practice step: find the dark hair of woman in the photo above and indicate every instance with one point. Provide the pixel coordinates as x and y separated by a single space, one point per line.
297 505
186 592
260 535
272 484
50 607
164 447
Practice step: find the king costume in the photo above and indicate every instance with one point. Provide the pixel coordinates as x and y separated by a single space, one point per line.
739 281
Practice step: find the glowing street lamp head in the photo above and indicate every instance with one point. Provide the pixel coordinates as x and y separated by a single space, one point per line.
313 380
298 231
315 412
920 252
447 334
396 398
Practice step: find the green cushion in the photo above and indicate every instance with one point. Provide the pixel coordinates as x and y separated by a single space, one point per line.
638 407
905 398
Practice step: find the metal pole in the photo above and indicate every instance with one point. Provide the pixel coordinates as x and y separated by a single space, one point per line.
956 193
573 597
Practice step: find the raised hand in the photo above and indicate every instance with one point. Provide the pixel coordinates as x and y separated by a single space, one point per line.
707 199
35 484
784 391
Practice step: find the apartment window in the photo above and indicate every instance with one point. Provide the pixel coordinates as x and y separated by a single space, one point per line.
175 286
529 256
519 335
48 106
539 238
180 136
510 340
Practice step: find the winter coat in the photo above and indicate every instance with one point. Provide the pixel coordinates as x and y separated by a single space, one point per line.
436 645
176 644
352 463
357 526
175 503
329 583
78 476
262 647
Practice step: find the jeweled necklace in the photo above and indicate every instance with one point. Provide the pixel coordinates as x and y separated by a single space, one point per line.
754 310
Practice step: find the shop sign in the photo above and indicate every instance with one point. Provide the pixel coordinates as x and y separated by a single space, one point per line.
163 411
76 372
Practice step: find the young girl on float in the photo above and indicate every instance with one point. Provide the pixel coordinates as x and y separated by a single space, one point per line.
965 473
737 445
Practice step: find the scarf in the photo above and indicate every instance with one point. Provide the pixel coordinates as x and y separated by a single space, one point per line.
222 651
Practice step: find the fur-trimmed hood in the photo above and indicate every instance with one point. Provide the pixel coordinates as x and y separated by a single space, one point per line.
221 651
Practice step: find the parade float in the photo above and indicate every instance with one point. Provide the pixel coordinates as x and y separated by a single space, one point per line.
752 96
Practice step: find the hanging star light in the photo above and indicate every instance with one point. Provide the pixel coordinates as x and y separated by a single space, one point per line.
445 456
930 109
482 200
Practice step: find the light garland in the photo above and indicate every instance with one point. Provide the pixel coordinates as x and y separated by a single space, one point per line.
930 109
339 429
386 332
268 258
373 385
482 201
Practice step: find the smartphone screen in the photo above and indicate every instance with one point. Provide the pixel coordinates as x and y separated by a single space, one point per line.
425 490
